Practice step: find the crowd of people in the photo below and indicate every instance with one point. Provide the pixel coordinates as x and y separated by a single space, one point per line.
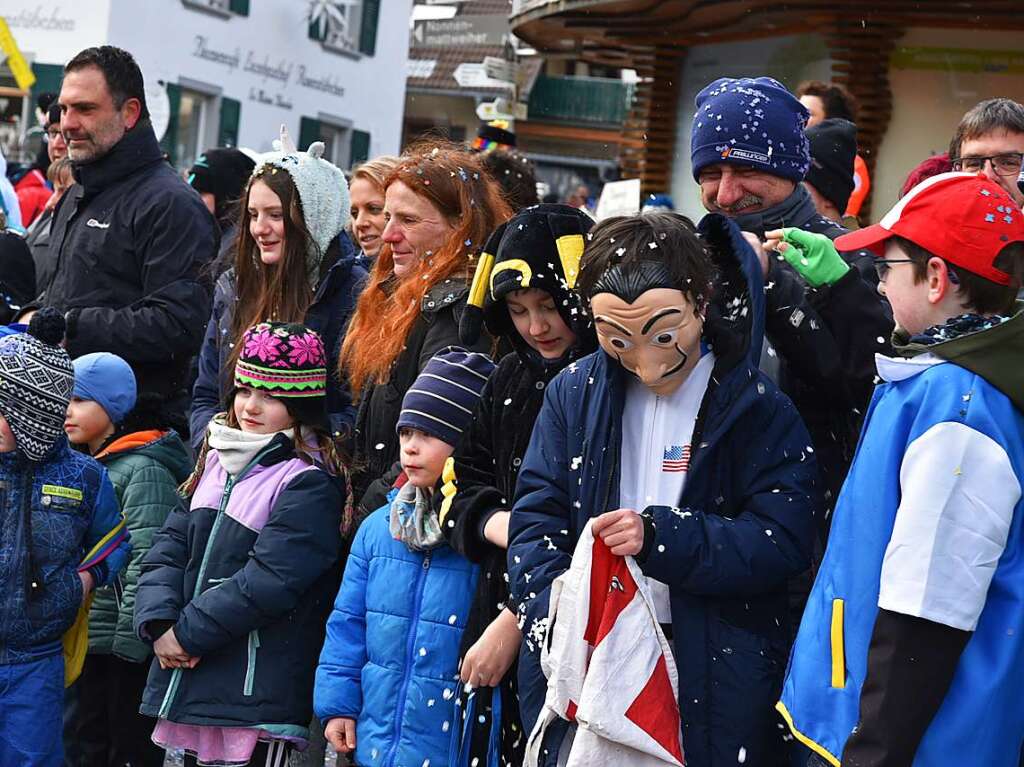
409 462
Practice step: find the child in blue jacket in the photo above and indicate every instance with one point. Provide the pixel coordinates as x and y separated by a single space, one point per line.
388 681
57 506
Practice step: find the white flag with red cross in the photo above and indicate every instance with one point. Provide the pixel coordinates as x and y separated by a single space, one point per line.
609 666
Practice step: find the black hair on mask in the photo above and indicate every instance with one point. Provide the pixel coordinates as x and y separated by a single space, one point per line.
630 281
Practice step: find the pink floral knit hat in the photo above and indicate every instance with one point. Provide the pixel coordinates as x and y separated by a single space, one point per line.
287 361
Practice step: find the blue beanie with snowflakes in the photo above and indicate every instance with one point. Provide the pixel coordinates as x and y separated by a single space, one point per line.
750 121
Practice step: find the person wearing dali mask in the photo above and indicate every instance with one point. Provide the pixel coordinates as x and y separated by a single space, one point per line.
689 460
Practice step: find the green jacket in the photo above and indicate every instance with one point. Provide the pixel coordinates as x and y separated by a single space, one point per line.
145 468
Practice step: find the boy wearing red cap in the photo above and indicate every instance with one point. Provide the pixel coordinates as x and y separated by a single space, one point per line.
912 644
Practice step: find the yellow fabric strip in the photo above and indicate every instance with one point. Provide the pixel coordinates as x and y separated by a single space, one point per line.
481 281
448 489
818 749
115 530
838 647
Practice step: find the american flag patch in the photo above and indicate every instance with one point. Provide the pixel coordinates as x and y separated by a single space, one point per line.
676 458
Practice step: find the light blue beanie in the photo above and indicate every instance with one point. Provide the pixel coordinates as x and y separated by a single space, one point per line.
107 380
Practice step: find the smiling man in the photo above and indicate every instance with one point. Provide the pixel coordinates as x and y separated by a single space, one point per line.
129 239
749 154
687 458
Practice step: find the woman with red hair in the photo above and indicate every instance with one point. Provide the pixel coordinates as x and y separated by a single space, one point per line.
440 205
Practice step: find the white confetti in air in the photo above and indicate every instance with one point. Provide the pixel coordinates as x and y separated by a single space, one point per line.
576 462
379 446
742 756
452 619
880 340
423 651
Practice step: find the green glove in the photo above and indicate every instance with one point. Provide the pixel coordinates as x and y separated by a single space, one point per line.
813 256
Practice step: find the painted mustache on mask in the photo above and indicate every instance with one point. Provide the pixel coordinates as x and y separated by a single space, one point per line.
668 373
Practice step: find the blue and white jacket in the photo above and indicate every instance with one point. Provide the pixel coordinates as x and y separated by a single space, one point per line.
928 525
391 656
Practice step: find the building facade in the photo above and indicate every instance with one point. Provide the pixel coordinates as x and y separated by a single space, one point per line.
915 68
231 72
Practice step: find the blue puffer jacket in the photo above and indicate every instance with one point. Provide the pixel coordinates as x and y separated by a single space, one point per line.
391 656
67 505
742 529
328 315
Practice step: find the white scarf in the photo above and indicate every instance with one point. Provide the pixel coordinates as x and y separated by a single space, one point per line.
236 448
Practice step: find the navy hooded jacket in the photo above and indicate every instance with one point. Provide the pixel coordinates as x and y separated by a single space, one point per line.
742 529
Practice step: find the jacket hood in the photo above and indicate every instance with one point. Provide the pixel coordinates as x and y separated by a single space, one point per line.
163 446
994 353
735 321
137 148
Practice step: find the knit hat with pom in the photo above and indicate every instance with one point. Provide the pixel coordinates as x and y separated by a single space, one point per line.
36 380
323 192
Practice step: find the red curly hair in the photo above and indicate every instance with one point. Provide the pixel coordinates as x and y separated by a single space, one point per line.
452 180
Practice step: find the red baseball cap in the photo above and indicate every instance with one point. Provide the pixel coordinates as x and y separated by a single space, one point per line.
963 218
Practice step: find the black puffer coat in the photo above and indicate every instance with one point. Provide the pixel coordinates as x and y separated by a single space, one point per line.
376 441
128 242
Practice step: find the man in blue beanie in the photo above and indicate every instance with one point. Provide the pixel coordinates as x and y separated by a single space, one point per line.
825 320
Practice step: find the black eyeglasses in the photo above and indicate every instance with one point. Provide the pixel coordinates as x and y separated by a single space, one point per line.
883 265
1007 164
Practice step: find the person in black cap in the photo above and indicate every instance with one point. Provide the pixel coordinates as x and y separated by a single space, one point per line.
523 291
220 176
829 179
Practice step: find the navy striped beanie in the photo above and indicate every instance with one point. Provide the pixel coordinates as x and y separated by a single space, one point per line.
443 398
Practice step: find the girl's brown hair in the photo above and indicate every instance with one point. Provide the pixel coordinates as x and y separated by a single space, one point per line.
281 291
453 180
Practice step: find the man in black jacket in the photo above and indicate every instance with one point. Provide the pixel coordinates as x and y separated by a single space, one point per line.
749 155
128 240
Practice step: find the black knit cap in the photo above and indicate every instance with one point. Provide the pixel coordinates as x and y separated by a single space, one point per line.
833 149
222 172
539 247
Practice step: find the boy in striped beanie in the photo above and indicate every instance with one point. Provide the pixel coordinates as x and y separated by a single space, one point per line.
401 565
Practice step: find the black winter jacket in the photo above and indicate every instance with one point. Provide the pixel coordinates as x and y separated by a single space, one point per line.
826 339
246 577
328 315
376 441
128 243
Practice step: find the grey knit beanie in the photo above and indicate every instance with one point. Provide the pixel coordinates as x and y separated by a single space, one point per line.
323 192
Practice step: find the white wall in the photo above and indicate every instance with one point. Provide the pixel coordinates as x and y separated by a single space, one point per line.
53 31
168 39
928 105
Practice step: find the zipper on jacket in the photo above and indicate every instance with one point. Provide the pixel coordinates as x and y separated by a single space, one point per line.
410 654
250 667
229 484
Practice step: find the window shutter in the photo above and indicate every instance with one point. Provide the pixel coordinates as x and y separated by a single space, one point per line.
309 131
368 28
48 78
360 147
171 135
230 113
316 32
241 7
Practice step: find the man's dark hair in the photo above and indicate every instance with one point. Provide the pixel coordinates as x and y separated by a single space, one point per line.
979 294
515 173
835 99
625 242
986 117
122 73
